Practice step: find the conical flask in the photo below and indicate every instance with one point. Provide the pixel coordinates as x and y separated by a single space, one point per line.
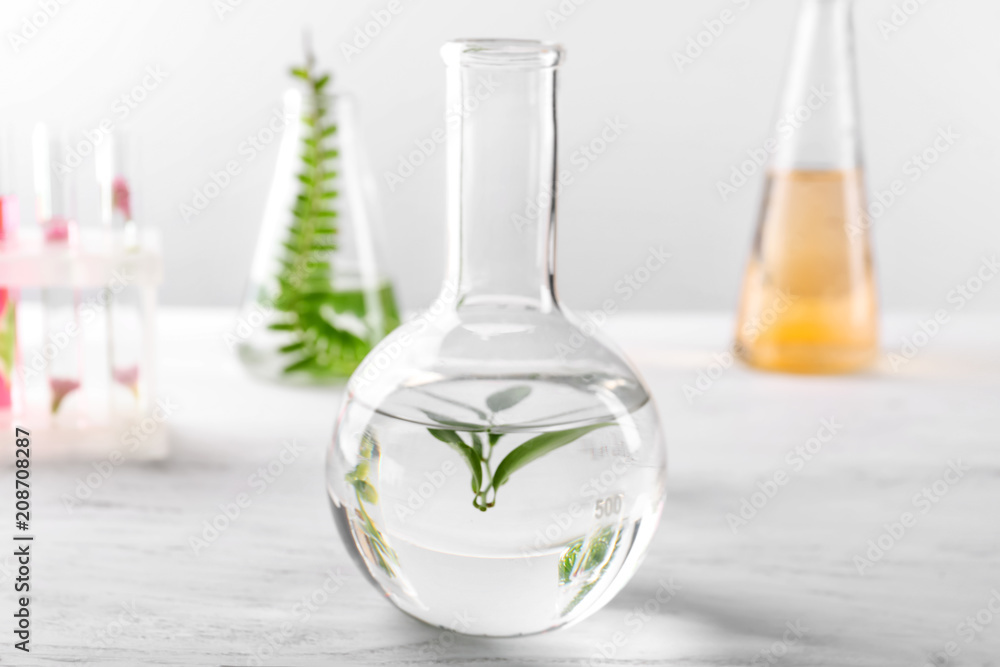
318 298
497 468
809 301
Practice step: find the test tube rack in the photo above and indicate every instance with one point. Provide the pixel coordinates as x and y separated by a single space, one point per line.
108 413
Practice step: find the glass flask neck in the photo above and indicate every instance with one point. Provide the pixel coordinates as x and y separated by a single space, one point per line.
501 172
818 121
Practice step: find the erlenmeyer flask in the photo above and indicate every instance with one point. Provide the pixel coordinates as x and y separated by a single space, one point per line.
497 468
809 299
318 299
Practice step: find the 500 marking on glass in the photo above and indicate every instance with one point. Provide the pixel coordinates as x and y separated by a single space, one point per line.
610 506
22 543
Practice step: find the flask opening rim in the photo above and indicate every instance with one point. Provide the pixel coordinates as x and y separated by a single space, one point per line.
510 53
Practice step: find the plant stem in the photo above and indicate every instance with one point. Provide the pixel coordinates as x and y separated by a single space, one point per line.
483 491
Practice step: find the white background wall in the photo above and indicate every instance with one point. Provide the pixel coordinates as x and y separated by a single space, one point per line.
656 185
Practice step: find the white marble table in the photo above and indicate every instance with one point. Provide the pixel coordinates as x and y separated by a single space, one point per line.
117 583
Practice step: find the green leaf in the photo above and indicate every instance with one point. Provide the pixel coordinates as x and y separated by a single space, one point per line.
8 340
446 436
475 462
507 398
580 595
366 491
537 447
477 444
597 552
568 561
306 291
349 302
368 445
292 347
465 426
384 555
301 365
598 548
321 266
495 438
479 413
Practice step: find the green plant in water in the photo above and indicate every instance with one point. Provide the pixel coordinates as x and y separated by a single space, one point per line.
372 539
8 340
311 310
482 441
587 559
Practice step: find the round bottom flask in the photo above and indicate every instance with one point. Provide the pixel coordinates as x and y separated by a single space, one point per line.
497 467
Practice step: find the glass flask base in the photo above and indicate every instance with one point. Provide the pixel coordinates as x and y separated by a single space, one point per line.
807 359
809 301
324 348
524 606
552 543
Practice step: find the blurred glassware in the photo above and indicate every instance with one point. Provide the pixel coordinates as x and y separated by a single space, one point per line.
57 195
318 298
9 222
809 301
69 382
117 166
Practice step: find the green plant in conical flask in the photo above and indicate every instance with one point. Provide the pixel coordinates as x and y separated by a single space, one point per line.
317 300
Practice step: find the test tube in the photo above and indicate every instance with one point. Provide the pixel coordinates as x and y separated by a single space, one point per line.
62 344
115 172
